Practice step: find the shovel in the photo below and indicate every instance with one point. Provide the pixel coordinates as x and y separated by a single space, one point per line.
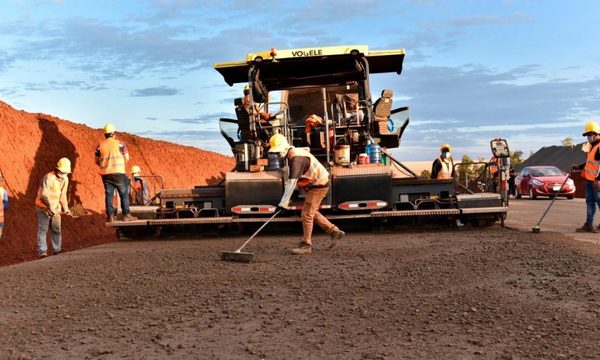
246 257
78 211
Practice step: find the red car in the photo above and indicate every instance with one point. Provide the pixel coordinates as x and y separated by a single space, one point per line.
543 181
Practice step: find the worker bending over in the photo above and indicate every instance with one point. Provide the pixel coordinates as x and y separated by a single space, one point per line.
139 187
111 157
50 202
443 166
308 173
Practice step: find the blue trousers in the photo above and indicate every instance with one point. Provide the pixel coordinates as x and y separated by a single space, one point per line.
45 221
592 197
120 182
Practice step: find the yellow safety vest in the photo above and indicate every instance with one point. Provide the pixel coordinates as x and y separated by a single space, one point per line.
316 175
590 171
53 191
112 161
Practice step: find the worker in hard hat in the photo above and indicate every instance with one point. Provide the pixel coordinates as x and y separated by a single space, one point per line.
443 166
3 203
591 169
50 202
139 187
264 117
111 157
306 172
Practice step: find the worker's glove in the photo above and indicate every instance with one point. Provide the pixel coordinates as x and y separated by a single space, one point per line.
281 208
68 212
49 212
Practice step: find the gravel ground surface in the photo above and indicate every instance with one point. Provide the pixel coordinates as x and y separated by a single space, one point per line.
489 293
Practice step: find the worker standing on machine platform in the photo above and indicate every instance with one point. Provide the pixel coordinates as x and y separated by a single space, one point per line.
139 187
308 173
443 166
591 169
264 116
111 157
51 199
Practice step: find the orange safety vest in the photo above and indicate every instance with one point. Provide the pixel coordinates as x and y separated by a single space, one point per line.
316 175
112 161
2 192
138 195
493 167
446 170
53 193
590 171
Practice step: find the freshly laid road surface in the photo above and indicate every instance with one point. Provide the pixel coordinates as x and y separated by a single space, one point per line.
492 293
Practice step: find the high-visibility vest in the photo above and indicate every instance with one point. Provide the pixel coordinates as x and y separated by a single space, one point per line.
112 161
2 192
53 192
139 193
590 171
493 167
316 175
446 170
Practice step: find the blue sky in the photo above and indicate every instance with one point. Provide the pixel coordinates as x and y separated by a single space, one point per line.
528 71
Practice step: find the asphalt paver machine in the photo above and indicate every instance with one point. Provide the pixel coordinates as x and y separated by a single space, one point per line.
321 99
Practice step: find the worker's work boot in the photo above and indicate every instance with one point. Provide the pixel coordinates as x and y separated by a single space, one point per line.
586 228
110 218
43 255
335 237
302 249
129 217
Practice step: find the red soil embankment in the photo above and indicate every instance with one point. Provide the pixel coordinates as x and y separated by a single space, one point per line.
30 146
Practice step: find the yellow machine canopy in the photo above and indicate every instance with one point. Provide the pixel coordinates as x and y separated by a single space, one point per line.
281 69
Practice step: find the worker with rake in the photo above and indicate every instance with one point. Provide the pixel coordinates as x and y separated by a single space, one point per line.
306 172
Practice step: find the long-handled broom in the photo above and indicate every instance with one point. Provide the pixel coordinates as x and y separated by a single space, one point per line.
246 257
536 228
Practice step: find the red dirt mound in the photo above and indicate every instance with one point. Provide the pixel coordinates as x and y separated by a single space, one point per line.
31 144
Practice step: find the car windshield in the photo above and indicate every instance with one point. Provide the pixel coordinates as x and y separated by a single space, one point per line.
549 171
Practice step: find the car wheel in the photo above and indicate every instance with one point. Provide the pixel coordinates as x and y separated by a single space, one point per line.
532 194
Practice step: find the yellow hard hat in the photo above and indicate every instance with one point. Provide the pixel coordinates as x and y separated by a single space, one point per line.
591 126
445 146
109 128
247 88
278 143
135 169
64 165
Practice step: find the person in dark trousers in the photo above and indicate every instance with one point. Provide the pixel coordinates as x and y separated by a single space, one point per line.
443 166
591 169
512 189
3 204
111 157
